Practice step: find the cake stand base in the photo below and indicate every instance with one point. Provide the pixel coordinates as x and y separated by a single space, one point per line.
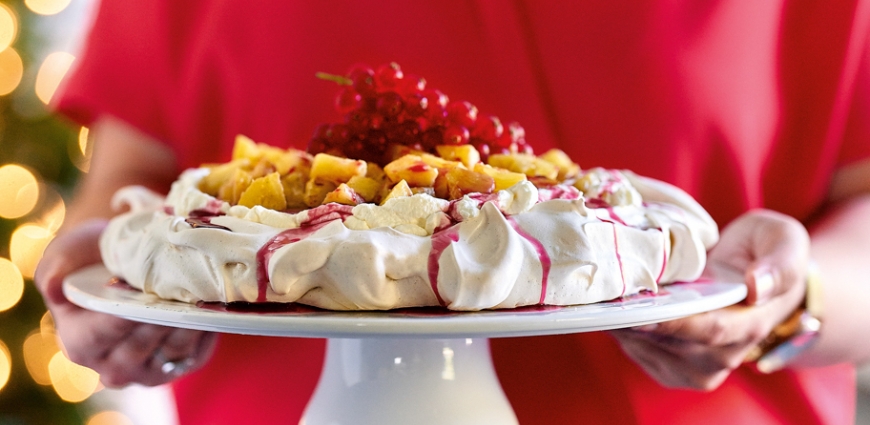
408 381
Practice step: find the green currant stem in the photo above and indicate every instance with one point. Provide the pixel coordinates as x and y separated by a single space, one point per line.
338 79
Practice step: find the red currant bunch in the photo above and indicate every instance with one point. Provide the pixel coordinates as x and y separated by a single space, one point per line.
385 108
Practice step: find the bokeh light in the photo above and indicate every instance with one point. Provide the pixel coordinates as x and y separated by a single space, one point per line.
11 70
5 364
26 246
19 191
50 74
39 349
51 210
11 284
109 418
8 26
72 382
47 7
81 154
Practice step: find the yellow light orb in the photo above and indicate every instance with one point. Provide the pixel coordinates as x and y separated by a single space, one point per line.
8 26
109 418
19 191
73 383
84 145
47 7
11 70
11 284
5 365
26 246
39 349
51 73
51 211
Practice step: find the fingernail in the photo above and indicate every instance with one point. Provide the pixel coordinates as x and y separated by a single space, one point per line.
763 285
645 328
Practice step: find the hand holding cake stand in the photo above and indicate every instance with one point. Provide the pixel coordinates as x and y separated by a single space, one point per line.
422 366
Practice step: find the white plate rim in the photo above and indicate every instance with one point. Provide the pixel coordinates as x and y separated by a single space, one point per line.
88 288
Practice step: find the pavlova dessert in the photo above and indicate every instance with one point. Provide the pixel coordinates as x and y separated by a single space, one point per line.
411 201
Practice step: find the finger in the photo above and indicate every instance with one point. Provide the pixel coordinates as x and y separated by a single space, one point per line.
131 360
181 344
668 368
780 251
67 253
702 358
731 325
88 337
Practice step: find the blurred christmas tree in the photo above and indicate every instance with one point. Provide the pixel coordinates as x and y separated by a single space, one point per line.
40 159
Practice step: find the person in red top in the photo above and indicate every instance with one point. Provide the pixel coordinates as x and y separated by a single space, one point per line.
758 109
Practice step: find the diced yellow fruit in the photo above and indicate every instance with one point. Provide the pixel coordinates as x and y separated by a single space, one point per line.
567 168
412 170
336 169
316 190
466 154
220 174
374 171
396 151
438 162
266 191
292 161
294 190
503 178
233 187
461 182
264 167
244 147
366 187
401 189
343 194
427 190
529 165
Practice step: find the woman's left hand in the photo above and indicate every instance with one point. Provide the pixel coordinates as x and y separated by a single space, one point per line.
767 250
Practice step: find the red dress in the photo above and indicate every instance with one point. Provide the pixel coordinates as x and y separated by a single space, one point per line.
742 104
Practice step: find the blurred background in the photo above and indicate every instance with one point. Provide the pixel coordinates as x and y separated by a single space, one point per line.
41 156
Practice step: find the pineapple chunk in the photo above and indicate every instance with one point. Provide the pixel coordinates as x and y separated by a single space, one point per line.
294 190
264 167
567 168
401 189
529 165
220 174
439 162
374 171
266 191
336 169
503 178
396 151
366 187
461 182
245 148
412 170
316 190
291 161
231 190
466 154
343 194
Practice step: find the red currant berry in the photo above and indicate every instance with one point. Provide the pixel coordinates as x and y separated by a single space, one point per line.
388 76
416 104
488 128
363 79
431 138
338 135
456 135
389 104
462 112
436 97
347 100
516 131
482 148
412 84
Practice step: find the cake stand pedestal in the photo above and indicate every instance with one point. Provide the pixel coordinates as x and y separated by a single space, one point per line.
420 366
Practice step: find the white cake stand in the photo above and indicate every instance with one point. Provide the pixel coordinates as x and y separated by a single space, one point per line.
410 366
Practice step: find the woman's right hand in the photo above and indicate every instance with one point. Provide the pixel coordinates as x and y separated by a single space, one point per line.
121 351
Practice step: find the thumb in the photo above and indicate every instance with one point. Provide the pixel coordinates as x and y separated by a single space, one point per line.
779 252
70 251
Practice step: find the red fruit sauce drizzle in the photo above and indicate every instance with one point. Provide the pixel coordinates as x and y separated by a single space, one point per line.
546 263
440 242
265 253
